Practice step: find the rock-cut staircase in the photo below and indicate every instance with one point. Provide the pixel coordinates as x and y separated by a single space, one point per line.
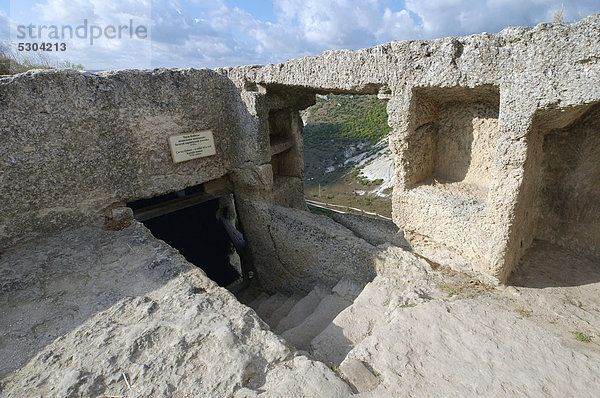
300 319
329 323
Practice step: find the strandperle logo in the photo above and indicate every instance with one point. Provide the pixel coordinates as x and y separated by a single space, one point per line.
84 31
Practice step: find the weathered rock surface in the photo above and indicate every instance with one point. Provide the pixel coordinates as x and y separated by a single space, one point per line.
302 309
374 230
157 326
342 295
418 331
51 286
415 331
297 250
296 378
473 348
120 313
476 124
75 143
495 145
402 280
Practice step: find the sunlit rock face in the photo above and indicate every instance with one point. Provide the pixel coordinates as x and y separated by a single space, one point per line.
494 148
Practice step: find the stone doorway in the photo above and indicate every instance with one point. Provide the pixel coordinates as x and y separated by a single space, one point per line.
193 222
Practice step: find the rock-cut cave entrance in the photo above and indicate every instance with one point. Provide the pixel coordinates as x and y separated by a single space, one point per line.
200 226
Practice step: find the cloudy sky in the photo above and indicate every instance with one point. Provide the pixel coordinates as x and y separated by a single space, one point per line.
214 33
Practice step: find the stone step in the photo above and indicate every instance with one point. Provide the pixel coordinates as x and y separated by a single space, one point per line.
350 326
301 335
348 289
302 309
283 310
268 306
254 304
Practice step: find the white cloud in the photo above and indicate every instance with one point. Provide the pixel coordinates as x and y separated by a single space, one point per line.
123 52
312 26
397 26
65 11
208 33
214 36
343 23
462 17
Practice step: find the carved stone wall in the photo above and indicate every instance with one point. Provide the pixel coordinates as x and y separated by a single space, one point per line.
494 140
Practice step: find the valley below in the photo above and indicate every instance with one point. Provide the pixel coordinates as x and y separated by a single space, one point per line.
347 161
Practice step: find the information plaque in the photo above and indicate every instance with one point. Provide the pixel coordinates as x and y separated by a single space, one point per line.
190 146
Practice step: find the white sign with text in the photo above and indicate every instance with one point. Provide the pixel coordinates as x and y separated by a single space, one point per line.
189 146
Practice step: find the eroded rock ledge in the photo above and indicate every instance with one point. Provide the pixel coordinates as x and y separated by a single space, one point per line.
96 307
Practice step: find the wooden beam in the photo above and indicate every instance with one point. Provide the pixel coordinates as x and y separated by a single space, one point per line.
160 209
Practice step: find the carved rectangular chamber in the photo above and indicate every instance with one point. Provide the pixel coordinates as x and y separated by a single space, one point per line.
453 133
567 198
285 148
446 159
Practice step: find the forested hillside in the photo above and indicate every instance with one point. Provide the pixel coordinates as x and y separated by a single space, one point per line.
346 119
346 155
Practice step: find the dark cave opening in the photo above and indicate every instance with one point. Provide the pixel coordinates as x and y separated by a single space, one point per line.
196 231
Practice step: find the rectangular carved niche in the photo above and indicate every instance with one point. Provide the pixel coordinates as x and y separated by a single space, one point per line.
452 138
285 139
567 204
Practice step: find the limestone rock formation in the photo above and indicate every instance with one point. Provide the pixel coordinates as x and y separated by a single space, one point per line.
475 120
495 146
131 317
